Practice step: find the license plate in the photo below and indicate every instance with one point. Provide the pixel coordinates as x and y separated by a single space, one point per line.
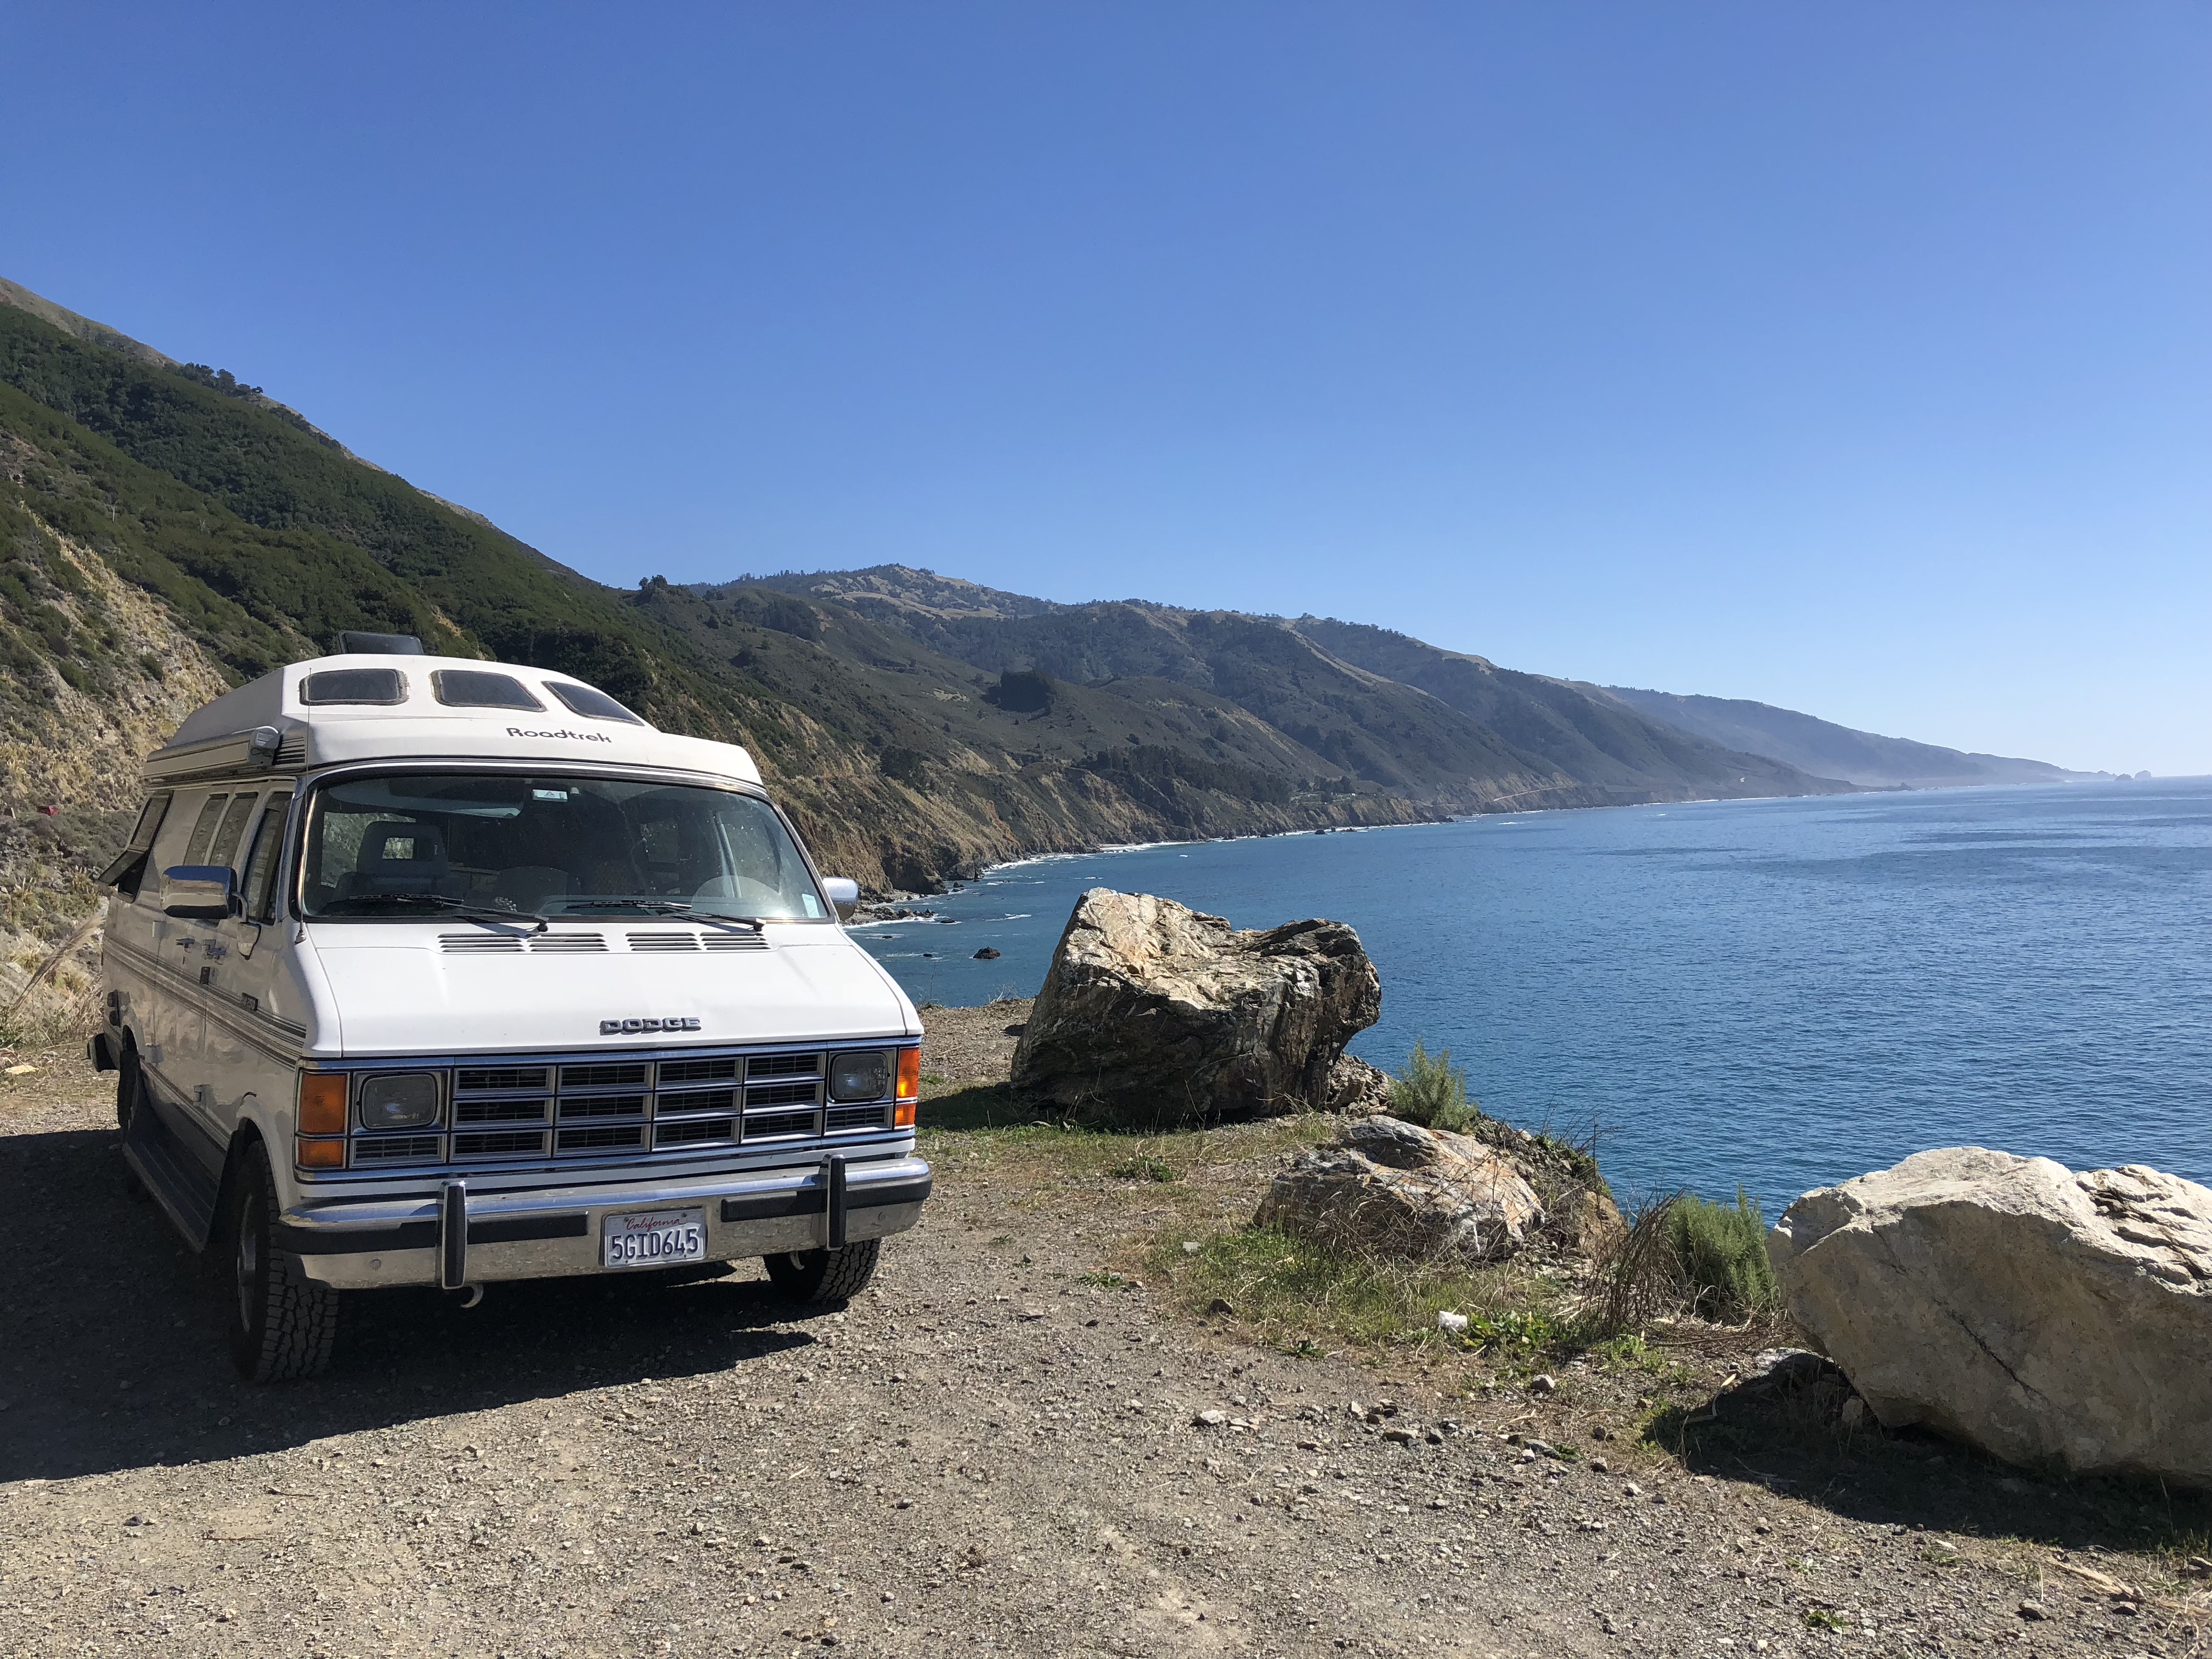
653 1238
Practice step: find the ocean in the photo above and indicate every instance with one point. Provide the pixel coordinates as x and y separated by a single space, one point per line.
1772 994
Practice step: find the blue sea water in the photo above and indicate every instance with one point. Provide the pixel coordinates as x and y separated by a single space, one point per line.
1775 993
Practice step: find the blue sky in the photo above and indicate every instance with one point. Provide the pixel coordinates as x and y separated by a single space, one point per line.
1853 358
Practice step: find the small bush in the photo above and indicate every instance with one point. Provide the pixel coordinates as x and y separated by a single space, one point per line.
1722 1251
1143 1166
1432 1092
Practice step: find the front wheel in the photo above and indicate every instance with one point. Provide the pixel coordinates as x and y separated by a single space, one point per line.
825 1275
282 1323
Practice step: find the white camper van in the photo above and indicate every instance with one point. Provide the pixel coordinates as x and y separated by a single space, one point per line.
438 972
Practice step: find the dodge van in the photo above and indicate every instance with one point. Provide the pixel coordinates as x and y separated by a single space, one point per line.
433 971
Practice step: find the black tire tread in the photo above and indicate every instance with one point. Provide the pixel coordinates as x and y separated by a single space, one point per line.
826 1275
299 1316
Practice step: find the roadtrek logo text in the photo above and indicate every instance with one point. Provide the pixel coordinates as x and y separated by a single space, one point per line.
577 737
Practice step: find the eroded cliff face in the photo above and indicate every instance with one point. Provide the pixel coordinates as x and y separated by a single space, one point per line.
75 724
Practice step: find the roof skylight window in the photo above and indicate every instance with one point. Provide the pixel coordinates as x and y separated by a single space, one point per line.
471 688
592 704
374 685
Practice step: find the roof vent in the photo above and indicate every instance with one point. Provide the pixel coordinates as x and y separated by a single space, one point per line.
380 644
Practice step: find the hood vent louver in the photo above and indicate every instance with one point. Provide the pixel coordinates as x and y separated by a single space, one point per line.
558 944
655 944
473 944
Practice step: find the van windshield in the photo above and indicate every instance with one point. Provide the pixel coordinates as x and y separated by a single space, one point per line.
407 844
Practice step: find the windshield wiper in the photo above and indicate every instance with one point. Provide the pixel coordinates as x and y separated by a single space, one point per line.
439 901
664 908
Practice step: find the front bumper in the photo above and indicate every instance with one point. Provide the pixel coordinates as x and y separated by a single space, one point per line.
452 1237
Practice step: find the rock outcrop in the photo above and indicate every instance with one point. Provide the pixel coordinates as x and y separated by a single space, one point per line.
1390 1187
1356 1088
1154 1014
2048 1317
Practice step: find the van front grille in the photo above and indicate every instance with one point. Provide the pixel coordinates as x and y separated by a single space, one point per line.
498 1111
487 1079
600 1138
507 1143
783 1065
627 1076
686 1105
602 1106
691 1131
696 1071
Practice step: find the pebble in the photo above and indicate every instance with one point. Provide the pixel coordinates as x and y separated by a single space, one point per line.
1454 1322
1211 1418
1543 1385
2033 1610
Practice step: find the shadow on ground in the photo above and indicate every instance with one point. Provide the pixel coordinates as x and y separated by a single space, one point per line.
1791 1440
112 1356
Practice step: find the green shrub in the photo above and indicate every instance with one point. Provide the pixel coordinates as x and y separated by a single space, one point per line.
1143 1166
1429 1089
1722 1251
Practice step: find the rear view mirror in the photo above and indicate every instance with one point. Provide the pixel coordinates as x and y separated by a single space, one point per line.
199 892
844 893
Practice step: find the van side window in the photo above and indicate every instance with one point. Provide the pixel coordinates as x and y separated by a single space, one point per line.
225 846
261 863
129 868
203 831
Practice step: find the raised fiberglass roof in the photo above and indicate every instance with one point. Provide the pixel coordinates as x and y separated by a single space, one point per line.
363 707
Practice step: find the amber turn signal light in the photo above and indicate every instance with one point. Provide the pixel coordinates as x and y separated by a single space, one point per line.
909 1079
321 1154
322 1105
903 1114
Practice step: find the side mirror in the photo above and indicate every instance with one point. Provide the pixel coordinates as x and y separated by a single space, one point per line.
844 893
199 892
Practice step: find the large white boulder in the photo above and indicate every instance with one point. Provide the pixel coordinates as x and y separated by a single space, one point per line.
1155 1014
2049 1317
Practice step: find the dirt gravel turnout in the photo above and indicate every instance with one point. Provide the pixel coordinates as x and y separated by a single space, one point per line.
1003 1446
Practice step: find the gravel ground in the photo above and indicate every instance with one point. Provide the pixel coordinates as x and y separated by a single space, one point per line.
974 1045
988 1452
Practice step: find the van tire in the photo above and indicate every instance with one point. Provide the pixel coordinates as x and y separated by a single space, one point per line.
825 1275
282 1323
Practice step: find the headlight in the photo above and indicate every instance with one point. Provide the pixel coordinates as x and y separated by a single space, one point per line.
860 1076
399 1100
